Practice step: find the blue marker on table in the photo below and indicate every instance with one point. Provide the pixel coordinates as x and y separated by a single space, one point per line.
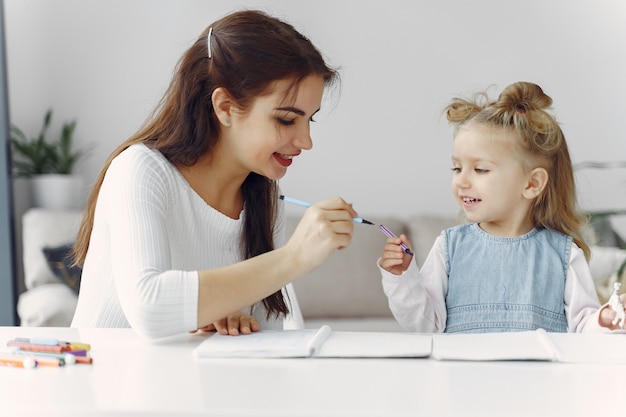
303 203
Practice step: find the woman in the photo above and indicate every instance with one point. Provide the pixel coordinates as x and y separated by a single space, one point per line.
182 229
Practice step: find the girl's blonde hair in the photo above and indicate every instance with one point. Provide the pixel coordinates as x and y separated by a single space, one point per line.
522 107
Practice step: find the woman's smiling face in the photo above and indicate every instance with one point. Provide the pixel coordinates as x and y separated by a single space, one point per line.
273 131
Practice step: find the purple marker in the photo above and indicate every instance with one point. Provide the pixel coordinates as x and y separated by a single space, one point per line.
390 234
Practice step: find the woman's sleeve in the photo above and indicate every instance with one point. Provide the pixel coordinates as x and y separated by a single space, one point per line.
417 297
157 299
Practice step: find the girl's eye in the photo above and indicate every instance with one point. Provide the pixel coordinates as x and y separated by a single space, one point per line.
481 171
456 170
285 122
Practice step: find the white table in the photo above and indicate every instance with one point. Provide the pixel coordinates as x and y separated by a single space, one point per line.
131 376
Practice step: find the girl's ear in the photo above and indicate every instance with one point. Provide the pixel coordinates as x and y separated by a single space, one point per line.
223 105
537 182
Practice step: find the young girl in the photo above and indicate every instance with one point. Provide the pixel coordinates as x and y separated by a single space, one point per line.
520 262
183 227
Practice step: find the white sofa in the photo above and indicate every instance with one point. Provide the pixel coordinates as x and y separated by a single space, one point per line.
345 292
47 301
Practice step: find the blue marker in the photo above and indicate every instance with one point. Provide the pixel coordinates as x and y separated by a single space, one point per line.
303 203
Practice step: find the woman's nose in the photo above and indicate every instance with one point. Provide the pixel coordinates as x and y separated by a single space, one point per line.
303 140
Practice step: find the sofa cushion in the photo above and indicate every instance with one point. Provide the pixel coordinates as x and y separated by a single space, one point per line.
348 283
60 261
45 228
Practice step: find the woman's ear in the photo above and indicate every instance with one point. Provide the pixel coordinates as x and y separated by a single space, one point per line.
537 182
222 105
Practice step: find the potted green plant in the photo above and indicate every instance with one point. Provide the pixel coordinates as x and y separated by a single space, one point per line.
49 165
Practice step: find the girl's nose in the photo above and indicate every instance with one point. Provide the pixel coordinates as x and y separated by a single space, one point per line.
460 180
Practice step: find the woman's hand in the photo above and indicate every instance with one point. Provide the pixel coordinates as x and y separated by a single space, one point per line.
393 258
325 227
234 324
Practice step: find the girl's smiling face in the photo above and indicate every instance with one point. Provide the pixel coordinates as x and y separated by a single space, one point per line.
273 131
490 178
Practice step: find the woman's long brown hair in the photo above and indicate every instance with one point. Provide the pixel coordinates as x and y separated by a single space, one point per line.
249 51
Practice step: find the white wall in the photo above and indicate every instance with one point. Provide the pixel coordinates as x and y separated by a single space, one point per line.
381 143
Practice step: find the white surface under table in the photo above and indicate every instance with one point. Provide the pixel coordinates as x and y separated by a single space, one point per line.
134 377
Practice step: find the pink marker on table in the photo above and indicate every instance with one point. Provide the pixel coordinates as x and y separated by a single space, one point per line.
390 234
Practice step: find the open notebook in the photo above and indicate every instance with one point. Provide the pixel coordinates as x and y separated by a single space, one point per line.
324 343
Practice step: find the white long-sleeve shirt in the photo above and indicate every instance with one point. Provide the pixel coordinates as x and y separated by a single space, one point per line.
417 297
151 235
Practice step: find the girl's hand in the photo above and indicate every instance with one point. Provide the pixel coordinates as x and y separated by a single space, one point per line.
234 324
325 227
393 258
607 314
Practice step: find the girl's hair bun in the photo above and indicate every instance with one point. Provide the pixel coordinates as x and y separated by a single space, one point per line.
523 97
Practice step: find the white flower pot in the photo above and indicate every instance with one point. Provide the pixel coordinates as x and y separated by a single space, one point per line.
57 191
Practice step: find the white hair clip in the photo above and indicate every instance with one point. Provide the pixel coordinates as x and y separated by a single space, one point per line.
208 40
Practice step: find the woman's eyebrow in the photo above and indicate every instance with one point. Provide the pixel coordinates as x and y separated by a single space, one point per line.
295 110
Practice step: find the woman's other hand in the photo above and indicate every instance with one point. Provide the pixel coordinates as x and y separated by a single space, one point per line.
234 325
325 227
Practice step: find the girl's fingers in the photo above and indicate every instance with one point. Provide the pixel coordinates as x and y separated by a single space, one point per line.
393 258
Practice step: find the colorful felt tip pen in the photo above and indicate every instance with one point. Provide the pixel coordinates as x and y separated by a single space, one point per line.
17 361
38 348
390 234
39 341
303 203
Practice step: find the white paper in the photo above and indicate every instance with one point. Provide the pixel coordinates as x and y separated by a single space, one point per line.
607 348
264 344
376 345
530 345
535 345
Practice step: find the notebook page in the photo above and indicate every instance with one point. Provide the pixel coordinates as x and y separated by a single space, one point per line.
300 343
346 344
607 348
507 346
